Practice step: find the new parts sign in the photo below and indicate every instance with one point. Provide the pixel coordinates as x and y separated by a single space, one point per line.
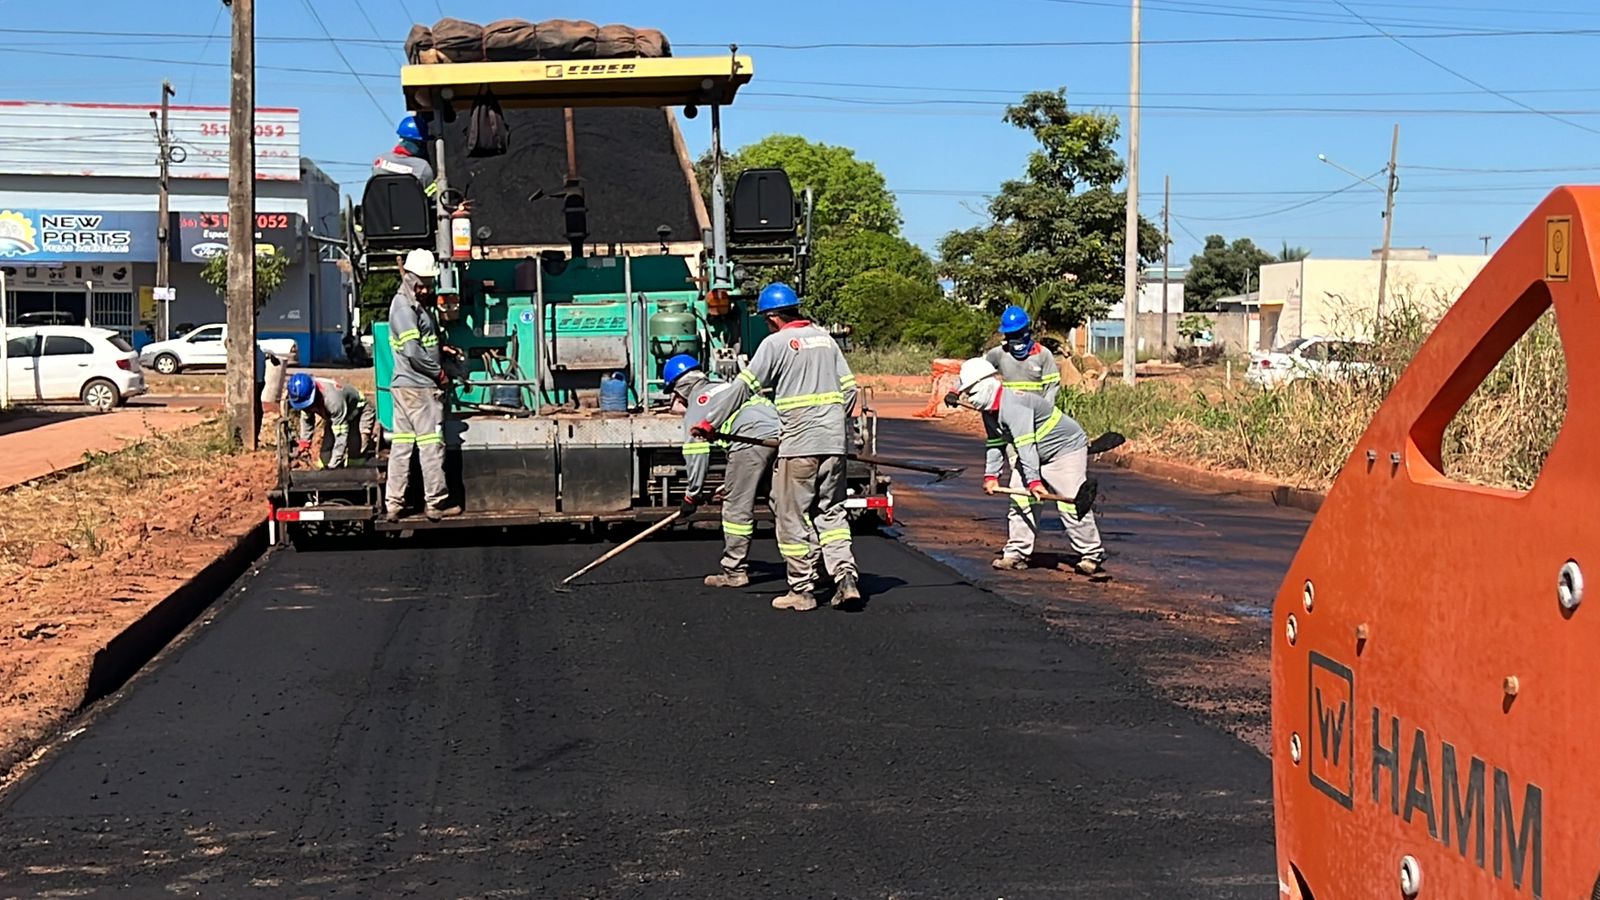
39 236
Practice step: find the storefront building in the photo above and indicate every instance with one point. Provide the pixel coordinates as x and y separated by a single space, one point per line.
80 235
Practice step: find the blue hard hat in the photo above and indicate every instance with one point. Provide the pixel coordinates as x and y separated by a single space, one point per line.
677 366
413 129
302 391
777 296
1015 318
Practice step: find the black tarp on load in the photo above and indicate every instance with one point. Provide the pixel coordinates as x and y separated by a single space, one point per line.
458 41
632 177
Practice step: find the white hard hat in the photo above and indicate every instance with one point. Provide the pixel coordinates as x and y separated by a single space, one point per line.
422 264
975 370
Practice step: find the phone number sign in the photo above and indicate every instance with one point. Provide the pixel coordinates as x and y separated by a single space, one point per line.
204 235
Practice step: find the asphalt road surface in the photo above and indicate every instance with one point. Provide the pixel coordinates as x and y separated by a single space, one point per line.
435 721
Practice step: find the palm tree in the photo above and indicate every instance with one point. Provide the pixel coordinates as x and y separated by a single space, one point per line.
1292 254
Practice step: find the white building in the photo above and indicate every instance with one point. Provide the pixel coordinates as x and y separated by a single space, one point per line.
1339 297
79 224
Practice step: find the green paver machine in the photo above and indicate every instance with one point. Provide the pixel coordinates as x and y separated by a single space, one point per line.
564 316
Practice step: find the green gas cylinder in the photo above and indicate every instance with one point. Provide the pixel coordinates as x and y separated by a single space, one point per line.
674 330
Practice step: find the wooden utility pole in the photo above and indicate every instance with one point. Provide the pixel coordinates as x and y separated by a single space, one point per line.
1388 221
1130 260
1166 258
163 216
1485 239
243 402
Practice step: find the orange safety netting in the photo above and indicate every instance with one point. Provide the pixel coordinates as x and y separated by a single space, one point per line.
945 379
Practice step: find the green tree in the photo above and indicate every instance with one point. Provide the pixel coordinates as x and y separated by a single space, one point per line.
841 258
1292 254
377 290
878 303
1056 234
272 268
851 194
953 328
1221 270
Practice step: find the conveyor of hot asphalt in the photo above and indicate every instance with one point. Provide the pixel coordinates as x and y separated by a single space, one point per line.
433 721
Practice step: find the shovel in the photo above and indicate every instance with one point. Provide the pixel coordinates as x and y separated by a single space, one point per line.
617 551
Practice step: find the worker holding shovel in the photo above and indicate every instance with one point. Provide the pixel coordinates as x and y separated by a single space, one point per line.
1052 459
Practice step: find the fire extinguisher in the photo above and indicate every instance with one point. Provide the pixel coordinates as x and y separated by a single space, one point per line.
460 234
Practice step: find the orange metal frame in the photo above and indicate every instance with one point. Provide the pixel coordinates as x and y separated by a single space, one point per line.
1431 712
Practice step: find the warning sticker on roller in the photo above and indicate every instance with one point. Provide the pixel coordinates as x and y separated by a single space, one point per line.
1558 248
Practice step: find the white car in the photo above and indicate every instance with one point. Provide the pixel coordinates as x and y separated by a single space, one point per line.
1308 357
207 346
52 363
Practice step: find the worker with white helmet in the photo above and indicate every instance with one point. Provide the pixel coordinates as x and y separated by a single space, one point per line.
814 391
713 407
1052 457
339 405
417 391
1024 363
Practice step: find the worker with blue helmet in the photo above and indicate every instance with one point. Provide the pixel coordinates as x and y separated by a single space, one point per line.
337 405
1024 364
410 156
715 407
814 391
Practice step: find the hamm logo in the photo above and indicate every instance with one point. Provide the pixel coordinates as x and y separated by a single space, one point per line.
17 237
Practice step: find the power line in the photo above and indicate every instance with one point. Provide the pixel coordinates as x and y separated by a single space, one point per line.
362 8
194 74
1464 77
1122 42
1267 213
312 9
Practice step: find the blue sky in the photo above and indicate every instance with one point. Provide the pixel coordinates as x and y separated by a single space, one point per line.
1240 95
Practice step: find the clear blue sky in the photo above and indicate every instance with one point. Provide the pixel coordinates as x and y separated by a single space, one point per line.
1234 113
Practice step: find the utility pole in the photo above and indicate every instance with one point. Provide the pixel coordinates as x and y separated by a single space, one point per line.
1130 261
1388 221
163 215
243 403
1166 258
1485 239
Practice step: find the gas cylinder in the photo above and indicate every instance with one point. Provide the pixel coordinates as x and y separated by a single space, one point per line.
460 234
673 330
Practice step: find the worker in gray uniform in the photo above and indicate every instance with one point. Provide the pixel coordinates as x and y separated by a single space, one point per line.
711 407
417 389
1024 363
814 391
410 156
1052 457
339 405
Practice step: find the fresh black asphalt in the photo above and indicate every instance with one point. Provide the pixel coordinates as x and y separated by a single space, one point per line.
435 721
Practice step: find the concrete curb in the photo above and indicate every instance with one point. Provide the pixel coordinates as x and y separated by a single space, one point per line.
130 649
1218 482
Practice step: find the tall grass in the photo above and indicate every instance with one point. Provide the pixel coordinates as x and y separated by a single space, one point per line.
894 359
1303 432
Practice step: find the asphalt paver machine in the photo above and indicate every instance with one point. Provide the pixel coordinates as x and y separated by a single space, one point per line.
586 257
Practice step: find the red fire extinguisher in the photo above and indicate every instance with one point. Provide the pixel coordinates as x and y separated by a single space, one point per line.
460 234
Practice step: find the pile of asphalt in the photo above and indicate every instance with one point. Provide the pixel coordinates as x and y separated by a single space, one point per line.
632 177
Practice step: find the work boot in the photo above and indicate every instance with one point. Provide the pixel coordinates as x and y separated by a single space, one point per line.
848 593
392 514
435 513
795 601
1009 562
1089 567
728 580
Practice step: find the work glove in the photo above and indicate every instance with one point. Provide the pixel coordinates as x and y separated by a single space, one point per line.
703 430
688 507
302 447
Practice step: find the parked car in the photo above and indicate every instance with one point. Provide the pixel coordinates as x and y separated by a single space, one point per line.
207 346
1308 357
54 363
49 317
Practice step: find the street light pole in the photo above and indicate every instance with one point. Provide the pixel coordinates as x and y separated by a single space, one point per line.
1130 261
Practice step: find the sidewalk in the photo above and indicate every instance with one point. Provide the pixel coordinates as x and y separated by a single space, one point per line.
39 442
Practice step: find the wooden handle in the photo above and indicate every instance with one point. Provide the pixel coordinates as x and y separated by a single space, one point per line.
1016 492
611 554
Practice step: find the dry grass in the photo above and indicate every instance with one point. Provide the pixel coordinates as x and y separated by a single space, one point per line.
87 511
1302 433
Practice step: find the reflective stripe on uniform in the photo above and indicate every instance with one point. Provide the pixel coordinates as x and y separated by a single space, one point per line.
696 448
995 442
1053 378
1067 509
750 380
847 382
1025 385
341 429
400 339
402 438
431 189
733 420
1023 502
834 536
1049 424
794 551
808 400
425 439
738 529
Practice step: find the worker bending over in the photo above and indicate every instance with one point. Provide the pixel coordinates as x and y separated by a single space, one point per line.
338 405
1024 363
814 391
417 389
1052 457
713 407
